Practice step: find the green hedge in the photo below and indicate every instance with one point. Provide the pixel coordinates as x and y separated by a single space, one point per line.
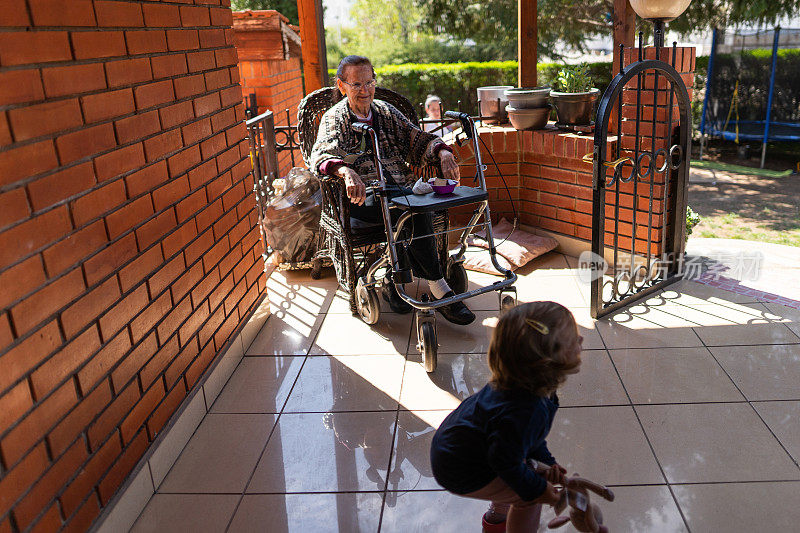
752 71
458 81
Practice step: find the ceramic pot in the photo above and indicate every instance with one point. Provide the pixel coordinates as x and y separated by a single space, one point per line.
528 119
493 103
575 109
528 97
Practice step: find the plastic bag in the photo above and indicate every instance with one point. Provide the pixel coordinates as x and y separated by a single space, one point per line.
291 218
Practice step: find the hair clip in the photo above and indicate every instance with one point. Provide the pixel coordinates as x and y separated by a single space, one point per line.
538 326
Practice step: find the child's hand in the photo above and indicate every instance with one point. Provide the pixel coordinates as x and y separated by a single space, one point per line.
557 474
550 496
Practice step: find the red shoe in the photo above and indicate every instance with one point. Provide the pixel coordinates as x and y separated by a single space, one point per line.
489 527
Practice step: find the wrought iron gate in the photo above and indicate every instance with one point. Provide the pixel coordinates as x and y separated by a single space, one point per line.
640 179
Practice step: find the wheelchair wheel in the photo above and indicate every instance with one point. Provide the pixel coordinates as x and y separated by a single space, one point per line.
428 346
456 276
367 303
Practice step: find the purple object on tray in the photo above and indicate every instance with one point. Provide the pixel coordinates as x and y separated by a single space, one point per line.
443 189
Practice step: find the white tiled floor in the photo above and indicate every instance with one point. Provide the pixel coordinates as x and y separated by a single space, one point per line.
688 405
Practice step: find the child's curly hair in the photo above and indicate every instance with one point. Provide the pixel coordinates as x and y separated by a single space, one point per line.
529 346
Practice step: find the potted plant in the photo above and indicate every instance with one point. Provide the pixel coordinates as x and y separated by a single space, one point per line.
574 97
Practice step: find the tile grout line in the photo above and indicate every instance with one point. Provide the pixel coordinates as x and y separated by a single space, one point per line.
394 442
688 306
745 304
747 400
396 423
646 436
266 443
206 412
280 413
611 485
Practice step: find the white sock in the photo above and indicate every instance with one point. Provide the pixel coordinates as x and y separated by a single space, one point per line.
439 288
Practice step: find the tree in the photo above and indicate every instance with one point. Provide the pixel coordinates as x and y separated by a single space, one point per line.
288 8
707 14
492 24
391 32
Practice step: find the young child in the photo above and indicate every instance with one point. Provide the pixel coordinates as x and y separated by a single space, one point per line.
490 446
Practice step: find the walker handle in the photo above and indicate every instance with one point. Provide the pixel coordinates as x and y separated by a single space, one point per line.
464 118
361 127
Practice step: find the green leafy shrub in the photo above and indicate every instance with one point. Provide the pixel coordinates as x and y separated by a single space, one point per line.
573 79
452 82
692 219
458 81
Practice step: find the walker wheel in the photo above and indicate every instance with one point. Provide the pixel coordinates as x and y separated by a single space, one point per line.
316 269
367 303
428 346
456 276
508 299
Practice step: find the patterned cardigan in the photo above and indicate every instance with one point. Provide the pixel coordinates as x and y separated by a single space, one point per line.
400 143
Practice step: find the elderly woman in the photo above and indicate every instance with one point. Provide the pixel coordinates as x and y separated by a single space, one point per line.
401 143
433 110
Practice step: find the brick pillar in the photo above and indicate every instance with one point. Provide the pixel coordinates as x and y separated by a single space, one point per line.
650 104
129 252
269 66
684 63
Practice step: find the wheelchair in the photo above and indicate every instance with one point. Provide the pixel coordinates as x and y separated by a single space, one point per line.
375 260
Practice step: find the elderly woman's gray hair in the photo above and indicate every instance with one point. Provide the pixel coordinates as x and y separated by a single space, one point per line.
352 61
432 99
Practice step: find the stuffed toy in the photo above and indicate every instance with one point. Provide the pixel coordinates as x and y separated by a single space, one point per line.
584 515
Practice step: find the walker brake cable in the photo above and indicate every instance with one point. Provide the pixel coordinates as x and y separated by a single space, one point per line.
508 192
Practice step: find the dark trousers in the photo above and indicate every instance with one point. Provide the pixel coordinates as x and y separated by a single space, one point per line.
421 253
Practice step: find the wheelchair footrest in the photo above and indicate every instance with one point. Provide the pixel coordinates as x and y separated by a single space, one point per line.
424 203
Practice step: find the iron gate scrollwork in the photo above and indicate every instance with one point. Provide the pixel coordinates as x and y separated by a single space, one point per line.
639 183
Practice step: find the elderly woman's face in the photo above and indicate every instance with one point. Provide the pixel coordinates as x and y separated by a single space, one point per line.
434 110
359 87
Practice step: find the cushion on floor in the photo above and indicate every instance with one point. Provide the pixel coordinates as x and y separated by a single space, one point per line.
516 246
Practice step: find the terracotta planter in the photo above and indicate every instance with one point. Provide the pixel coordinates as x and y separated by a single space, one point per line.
575 109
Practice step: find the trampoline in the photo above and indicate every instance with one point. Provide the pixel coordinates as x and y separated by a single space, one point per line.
752 93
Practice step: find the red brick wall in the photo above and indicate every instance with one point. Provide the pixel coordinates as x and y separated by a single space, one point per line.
270 68
655 131
552 187
129 252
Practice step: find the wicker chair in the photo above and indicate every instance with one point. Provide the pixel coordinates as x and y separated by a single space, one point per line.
352 247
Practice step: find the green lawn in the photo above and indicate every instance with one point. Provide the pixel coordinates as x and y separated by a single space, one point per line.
733 226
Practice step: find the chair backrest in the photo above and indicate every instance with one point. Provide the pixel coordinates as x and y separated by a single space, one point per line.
314 105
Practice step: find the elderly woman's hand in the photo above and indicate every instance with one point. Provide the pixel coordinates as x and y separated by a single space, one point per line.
449 166
356 190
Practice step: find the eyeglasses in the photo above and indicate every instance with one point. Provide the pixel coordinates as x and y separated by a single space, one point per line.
358 86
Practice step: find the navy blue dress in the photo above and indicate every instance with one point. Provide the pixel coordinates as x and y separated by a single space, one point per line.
491 434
